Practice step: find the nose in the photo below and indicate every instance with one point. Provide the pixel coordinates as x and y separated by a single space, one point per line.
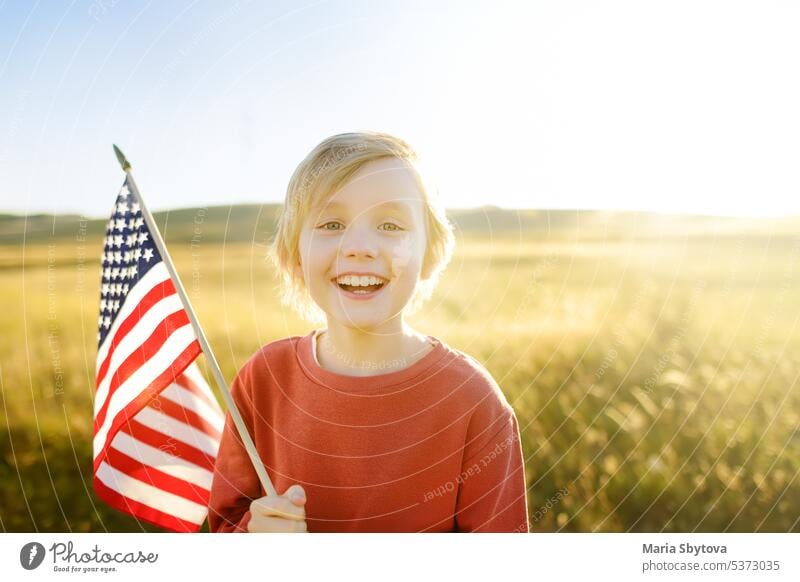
359 241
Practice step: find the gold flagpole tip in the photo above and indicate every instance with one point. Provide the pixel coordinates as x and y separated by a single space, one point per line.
123 161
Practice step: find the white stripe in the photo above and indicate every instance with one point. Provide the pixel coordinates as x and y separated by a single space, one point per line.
151 496
158 459
193 373
181 396
157 274
176 429
161 361
133 341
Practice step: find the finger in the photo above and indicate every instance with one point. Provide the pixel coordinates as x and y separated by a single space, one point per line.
260 524
278 507
296 495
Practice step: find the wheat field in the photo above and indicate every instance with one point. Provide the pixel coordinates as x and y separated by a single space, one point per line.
655 379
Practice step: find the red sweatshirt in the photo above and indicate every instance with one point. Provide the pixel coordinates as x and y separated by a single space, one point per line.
432 447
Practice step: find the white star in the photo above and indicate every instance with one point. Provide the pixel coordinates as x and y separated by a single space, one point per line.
135 207
119 224
115 272
125 288
107 273
117 257
130 240
118 288
133 271
137 254
143 236
106 322
139 222
148 254
102 305
124 192
122 207
100 321
118 240
131 223
105 289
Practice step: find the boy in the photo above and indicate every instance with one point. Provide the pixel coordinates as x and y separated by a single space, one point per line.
367 425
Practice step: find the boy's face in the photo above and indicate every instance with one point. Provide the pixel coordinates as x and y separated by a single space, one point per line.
375 224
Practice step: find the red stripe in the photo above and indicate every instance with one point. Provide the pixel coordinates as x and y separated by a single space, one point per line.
140 356
155 477
192 387
169 445
185 415
135 406
142 511
156 294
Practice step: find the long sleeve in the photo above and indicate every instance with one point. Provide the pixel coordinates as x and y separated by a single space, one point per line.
491 495
235 483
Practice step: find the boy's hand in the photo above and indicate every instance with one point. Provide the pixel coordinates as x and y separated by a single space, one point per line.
284 513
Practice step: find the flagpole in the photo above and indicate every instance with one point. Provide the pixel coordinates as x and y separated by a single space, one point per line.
247 441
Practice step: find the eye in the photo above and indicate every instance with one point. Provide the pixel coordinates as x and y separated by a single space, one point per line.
323 226
392 226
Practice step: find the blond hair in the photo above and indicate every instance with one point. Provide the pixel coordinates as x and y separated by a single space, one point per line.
325 170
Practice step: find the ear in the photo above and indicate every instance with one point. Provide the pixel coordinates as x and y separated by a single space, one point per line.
297 272
425 273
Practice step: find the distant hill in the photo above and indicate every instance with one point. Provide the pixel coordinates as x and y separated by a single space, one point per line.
256 223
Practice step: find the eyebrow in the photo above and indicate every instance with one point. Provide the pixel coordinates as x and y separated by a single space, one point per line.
389 204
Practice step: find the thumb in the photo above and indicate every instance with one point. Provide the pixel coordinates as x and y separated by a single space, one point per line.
296 495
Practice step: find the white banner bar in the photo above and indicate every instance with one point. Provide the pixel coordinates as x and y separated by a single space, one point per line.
379 557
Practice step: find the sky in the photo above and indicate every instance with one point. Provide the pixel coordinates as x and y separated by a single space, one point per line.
681 106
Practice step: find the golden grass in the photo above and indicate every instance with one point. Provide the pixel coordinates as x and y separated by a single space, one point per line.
655 382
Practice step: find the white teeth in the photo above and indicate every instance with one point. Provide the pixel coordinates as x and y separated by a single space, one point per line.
361 281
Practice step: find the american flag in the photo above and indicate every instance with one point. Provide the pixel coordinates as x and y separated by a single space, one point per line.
157 425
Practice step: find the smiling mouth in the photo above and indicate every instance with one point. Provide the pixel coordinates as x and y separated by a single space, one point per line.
360 289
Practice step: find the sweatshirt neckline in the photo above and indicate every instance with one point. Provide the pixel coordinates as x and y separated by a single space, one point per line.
345 383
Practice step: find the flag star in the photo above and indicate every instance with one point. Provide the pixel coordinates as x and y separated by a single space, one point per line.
135 207
102 305
107 273
118 240
119 224
122 207
119 288
127 256
133 271
115 272
143 236
115 307
105 289
130 240
117 257
106 322
137 254
148 254
132 223
109 241
125 288
100 320
139 222
124 191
